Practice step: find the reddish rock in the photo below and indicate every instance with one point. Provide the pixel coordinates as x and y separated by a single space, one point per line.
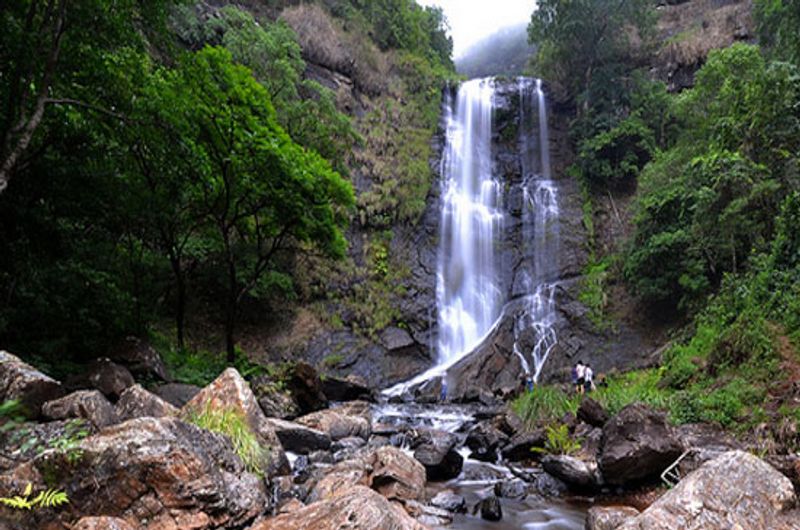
609 517
102 523
230 392
136 402
354 508
158 473
22 382
340 422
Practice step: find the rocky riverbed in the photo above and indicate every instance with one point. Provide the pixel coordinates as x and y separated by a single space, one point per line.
139 461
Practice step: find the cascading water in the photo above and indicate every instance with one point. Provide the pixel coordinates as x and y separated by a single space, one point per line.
469 298
535 324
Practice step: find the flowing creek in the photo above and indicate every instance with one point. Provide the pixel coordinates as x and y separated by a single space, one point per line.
471 296
526 511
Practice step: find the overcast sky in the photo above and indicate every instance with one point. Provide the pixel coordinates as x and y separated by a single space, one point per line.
471 20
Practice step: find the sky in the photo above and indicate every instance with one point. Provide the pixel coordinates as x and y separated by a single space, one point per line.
471 20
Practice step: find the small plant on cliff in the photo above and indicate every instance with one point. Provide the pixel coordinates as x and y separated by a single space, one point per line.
558 441
45 499
232 423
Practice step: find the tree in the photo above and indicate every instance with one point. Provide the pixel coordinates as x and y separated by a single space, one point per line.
50 55
580 41
260 193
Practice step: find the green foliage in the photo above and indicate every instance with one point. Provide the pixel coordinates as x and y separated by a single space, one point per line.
613 158
558 441
593 291
631 387
582 45
48 498
544 405
777 22
232 423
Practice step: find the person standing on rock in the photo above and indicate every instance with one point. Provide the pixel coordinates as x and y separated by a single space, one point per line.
588 376
578 372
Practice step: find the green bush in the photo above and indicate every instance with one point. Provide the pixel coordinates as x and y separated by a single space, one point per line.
558 441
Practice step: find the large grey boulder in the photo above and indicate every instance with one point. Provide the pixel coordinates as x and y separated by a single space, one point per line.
90 405
22 382
637 446
576 473
734 491
438 454
299 438
230 392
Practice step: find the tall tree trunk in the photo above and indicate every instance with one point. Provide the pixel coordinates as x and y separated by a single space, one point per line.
180 308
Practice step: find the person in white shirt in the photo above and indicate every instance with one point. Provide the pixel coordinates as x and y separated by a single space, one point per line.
588 379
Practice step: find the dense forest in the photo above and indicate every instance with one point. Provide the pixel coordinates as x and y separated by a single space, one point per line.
178 157
713 172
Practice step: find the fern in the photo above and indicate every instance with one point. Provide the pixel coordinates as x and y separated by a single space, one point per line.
48 498
558 442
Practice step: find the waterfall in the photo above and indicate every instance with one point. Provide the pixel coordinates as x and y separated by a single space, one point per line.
540 241
468 295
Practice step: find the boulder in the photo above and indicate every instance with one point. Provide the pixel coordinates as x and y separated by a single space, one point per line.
485 440
576 473
306 388
338 423
230 392
140 358
396 339
136 402
159 473
176 394
511 489
637 445
274 401
592 412
299 438
102 523
90 405
491 509
354 508
27 440
22 382
347 445
427 514
450 501
609 517
521 445
387 470
109 378
735 490
439 456
397 476
347 389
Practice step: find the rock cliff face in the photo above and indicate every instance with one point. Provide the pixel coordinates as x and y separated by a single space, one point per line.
493 365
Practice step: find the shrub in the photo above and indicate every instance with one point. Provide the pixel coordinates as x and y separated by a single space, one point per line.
558 441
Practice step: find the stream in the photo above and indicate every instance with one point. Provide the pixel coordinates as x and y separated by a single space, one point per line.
525 510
